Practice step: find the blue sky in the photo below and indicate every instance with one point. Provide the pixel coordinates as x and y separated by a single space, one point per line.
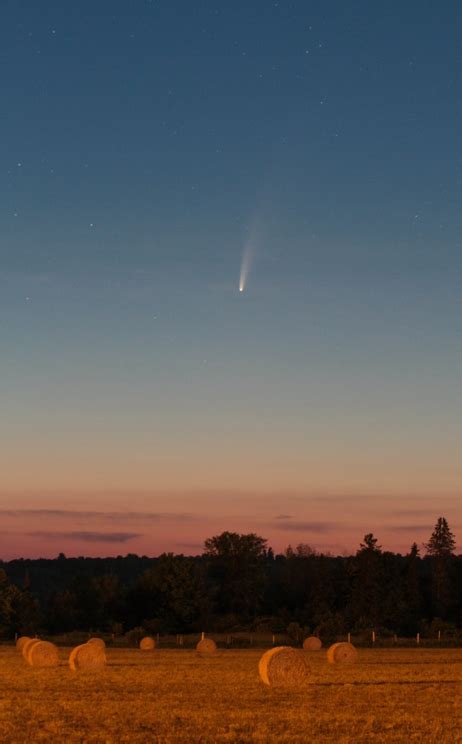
144 146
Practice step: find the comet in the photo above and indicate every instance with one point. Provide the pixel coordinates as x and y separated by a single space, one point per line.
248 257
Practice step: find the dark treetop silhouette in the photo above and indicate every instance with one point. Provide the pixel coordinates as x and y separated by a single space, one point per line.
238 583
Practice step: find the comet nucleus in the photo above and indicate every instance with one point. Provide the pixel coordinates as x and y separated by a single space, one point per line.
246 263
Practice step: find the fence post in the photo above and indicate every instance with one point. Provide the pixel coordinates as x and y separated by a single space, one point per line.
418 638
349 637
274 640
202 636
373 636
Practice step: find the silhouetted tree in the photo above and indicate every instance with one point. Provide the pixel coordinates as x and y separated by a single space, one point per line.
61 615
411 610
237 566
365 607
172 594
442 541
440 554
238 581
369 545
18 609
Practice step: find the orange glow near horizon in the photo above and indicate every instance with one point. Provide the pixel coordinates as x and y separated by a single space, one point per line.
119 521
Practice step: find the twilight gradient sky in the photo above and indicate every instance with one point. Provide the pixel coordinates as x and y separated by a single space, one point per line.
145 403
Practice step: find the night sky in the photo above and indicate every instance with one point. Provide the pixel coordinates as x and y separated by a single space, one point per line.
147 150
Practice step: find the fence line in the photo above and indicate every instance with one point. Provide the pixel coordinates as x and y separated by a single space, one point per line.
255 639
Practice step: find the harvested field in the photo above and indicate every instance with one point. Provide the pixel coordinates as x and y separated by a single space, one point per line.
174 697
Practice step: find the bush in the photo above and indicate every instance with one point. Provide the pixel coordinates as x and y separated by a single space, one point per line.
135 635
269 624
295 632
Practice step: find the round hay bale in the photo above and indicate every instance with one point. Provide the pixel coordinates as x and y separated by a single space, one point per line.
98 642
147 644
312 643
27 646
283 666
206 647
342 653
89 657
43 654
20 643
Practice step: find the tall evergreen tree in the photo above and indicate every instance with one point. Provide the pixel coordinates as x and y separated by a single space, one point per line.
366 599
410 623
440 553
442 541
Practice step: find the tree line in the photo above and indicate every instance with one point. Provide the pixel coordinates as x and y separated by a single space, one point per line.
238 583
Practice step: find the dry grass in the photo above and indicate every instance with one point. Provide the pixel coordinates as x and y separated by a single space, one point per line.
174 697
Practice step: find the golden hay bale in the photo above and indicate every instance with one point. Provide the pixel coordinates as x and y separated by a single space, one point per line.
43 654
147 644
98 642
89 657
342 653
206 647
283 666
28 645
20 643
312 643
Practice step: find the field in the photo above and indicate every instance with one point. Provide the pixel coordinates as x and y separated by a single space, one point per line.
174 697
